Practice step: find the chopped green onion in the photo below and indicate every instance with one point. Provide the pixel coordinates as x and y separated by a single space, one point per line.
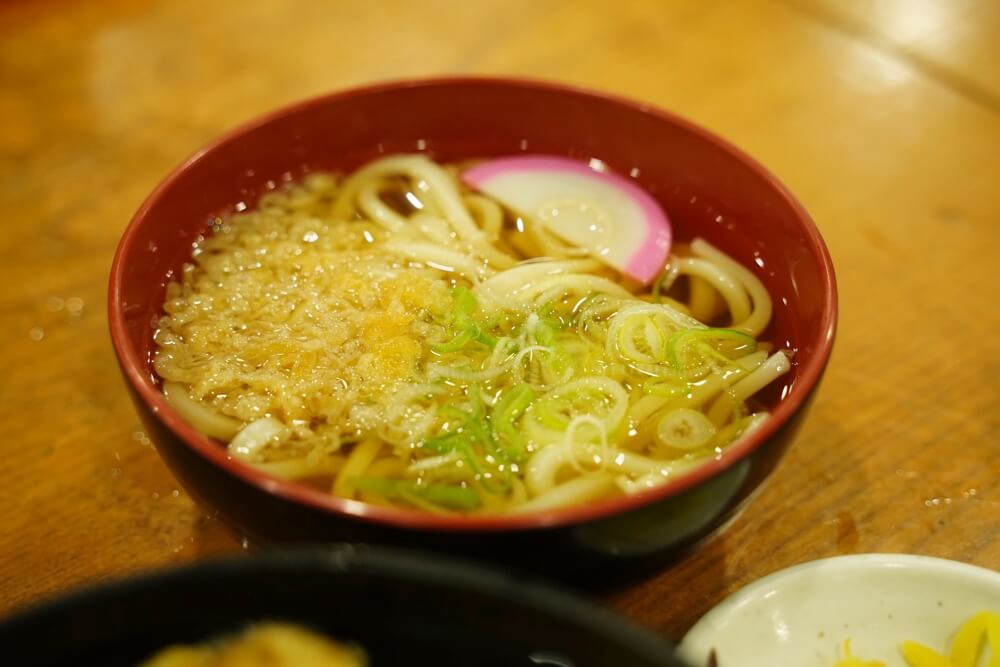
684 428
666 388
461 319
545 334
484 338
658 285
453 442
551 412
513 403
453 497
458 342
652 337
508 409
702 339
709 351
475 441
599 397
465 302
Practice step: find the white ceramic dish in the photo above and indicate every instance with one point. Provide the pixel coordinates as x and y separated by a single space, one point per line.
800 617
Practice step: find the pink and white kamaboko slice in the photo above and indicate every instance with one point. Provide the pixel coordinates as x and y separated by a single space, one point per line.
607 214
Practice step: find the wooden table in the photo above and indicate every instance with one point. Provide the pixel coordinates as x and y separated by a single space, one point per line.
883 116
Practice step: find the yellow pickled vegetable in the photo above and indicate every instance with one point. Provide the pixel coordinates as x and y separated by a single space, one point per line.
993 637
969 641
918 655
849 660
966 648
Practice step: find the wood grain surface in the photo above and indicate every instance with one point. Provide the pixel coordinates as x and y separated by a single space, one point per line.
882 116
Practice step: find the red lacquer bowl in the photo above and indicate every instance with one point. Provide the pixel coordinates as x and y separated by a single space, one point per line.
707 187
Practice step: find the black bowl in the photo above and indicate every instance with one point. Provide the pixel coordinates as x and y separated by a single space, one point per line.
404 608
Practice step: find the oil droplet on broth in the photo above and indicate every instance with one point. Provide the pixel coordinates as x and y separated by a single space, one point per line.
37 334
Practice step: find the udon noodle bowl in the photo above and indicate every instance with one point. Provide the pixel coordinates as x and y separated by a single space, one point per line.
395 337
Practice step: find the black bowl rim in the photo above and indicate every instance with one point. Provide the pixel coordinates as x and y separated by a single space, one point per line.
346 559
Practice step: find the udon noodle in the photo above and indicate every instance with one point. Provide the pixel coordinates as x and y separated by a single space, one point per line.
394 337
